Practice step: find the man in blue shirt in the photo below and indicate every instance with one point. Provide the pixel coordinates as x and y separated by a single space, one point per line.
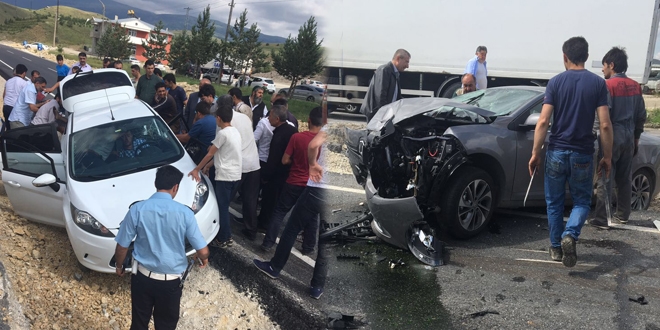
160 227
477 67
572 99
204 126
177 92
62 69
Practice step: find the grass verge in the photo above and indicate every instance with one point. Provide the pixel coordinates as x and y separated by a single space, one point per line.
653 118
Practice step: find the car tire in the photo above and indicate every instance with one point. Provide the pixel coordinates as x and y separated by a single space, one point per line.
469 202
310 99
642 190
352 108
449 91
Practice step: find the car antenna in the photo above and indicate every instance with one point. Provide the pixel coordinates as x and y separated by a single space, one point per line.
107 98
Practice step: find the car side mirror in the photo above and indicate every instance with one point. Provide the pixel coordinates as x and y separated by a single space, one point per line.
530 122
46 179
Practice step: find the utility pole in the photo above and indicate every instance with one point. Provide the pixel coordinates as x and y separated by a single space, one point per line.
57 18
103 7
222 63
187 10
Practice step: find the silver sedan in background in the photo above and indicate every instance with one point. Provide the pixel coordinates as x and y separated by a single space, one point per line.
308 93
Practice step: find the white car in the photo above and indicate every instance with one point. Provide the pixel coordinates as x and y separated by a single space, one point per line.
134 61
317 84
266 83
35 45
87 180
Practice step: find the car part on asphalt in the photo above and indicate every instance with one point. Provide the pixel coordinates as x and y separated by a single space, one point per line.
640 299
396 263
484 313
424 245
348 257
358 227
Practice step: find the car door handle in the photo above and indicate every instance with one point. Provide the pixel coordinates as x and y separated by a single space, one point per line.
14 184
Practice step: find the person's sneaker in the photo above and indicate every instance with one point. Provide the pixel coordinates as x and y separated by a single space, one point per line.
221 244
315 293
556 253
619 221
599 224
264 266
569 255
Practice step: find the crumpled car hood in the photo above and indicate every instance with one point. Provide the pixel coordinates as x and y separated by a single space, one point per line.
407 108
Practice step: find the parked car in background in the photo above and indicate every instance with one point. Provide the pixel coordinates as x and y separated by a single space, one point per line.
449 163
214 73
35 45
266 83
112 146
134 61
309 93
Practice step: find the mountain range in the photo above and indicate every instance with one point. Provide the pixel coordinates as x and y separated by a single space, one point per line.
112 8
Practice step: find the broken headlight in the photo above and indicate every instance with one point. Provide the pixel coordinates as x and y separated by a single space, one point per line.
88 223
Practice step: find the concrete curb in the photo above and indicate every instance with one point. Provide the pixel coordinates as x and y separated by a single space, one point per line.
281 304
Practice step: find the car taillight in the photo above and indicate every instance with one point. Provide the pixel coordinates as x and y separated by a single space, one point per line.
265 84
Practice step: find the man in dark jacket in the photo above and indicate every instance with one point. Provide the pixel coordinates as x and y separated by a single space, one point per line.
189 110
274 173
165 106
385 87
255 101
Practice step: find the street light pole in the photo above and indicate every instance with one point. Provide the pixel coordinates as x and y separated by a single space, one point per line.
57 18
222 62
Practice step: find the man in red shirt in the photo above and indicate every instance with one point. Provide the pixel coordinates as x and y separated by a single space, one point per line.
296 155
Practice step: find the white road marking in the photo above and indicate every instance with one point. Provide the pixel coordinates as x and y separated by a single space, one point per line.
527 250
26 58
635 228
351 190
9 51
9 66
555 262
294 251
657 224
51 69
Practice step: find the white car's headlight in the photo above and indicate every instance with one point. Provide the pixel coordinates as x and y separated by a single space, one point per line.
201 195
87 223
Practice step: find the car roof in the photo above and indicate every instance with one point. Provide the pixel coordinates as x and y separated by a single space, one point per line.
96 89
136 108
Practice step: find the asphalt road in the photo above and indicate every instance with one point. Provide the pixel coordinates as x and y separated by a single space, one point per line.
10 57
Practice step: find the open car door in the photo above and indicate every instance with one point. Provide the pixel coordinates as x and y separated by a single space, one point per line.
33 173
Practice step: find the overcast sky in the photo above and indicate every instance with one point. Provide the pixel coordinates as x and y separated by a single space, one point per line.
274 17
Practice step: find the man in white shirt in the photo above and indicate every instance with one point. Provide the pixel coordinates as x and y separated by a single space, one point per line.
82 63
13 88
48 112
250 179
477 67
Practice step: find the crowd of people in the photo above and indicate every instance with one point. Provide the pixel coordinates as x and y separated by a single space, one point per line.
250 150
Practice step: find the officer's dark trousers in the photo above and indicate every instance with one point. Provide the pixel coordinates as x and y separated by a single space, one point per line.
158 297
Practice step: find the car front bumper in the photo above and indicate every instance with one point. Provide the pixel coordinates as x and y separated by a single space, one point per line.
392 216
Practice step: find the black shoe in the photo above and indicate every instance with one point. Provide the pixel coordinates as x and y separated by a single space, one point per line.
265 267
248 234
569 255
306 252
556 253
237 219
262 230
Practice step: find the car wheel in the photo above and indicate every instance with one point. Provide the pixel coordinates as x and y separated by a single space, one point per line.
310 99
642 188
449 92
352 108
469 202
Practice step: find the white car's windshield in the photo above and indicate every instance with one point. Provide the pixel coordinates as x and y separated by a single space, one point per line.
501 101
122 147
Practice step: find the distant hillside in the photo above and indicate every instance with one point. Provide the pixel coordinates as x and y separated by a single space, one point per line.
18 24
172 22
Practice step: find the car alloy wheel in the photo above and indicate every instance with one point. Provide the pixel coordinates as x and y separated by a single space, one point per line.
352 108
641 191
310 98
469 201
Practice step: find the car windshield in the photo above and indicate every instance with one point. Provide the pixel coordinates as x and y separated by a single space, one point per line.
270 81
122 147
318 89
500 101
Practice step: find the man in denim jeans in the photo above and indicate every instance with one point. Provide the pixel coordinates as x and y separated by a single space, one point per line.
572 99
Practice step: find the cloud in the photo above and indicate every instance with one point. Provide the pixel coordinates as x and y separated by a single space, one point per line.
274 17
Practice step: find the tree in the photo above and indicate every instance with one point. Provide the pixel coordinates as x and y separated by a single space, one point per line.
114 43
179 55
202 46
300 57
244 49
155 49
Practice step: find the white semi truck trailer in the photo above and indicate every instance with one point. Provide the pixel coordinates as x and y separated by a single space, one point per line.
523 37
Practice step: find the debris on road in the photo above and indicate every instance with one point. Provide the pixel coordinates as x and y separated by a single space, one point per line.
484 313
640 299
336 210
397 263
348 257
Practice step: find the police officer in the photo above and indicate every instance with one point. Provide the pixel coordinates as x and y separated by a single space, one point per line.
160 226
